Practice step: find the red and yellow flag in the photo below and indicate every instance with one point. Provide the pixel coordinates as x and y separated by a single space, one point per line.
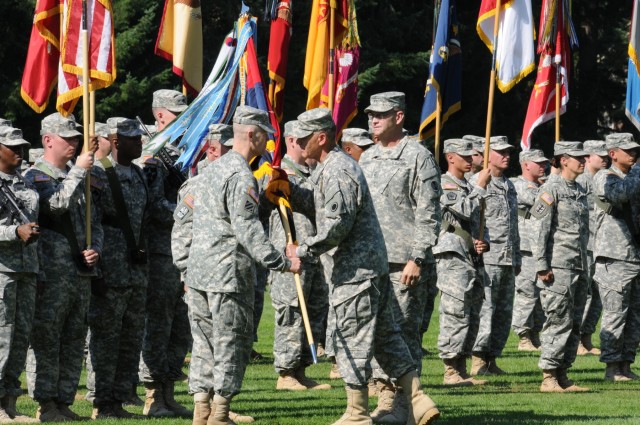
279 55
316 66
180 41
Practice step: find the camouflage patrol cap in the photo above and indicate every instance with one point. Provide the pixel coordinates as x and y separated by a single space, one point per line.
5 123
478 142
385 102
102 130
223 133
459 146
357 136
35 154
621 141
532 155
568 148
248 115
10 136
289 128
171 100
124 127
59 125
313 120
595 147
499 143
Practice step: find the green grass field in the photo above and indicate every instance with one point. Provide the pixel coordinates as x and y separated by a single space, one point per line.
512 399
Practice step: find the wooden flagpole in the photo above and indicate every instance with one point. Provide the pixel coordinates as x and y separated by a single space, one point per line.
332 27
558 61
86 119
492 91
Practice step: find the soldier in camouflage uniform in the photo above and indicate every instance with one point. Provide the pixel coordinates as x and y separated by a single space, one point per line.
167 334
559 247
220 298
355 146
404 181
501 262
116 312
460 274
359 291
616 251
290 349
597 160
59 326
528 316
477 159
18 270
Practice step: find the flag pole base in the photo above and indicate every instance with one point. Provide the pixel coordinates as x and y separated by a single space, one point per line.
314 353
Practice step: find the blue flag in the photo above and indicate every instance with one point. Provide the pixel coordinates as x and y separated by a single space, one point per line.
633 74
445 71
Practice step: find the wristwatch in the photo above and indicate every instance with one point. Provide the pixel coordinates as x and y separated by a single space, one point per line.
419 261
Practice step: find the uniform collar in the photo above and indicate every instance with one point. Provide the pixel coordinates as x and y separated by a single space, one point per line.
391 153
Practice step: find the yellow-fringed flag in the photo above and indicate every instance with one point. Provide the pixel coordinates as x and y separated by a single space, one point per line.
515 55
180 41
316 65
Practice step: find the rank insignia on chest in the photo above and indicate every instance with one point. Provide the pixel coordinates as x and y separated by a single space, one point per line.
39 178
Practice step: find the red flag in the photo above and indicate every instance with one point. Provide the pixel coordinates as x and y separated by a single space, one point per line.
278 55
556 30
345 106
41 67
102 63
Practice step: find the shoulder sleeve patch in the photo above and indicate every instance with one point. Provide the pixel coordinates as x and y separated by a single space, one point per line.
149 160
450 186
547 198
188 200
96 183
253 194
41 177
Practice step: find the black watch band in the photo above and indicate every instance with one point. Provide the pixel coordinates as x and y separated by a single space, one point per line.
419 261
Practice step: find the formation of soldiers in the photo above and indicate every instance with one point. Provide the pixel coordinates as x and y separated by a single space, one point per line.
142 268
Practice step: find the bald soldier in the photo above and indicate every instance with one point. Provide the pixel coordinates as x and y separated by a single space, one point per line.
528 316
359 291
405 187
355 141
231 237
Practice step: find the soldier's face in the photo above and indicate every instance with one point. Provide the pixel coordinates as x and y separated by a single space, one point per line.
575 164
130 147
11 156
477 161
310 146
384 122
624 157
459 162
214 151
597 162
499 159
62 147
536 169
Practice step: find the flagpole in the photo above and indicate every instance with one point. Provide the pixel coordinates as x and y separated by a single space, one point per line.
558 61
492 91
436 147
86 118
332 26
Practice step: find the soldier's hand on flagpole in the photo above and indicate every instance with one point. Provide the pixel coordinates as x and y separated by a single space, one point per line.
484 177
296 264
85 160
90 257
94 143
481 246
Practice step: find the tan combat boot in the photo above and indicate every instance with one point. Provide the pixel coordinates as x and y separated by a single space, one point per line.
614 373
308 382
479 366
374 391
241 419
9 406
567 384
422 410
357 412
461 363
287 381
399 411
452 376
48 412
625 369
526 343
385 400
334 373
550 382
102 412
493 367
4 417
219 411
586 346
201 408
154 405
171 403
535 339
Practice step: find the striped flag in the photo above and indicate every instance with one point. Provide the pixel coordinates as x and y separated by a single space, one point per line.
180 41
633 74
557 35
515 56
43 57
279 53
102 61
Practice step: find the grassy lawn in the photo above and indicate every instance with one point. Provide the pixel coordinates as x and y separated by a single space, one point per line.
512 399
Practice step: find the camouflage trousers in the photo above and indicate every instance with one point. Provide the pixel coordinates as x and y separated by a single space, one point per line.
527 310
495 314
54 361
593 308
16 316
563 303
407 307
290 345
167 334
432 293
364 325
117 324
461 293
262 275
619 283
221 346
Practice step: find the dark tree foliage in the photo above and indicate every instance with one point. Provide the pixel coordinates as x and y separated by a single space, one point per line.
396 38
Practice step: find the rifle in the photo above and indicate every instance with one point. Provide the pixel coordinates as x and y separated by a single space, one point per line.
8 198
175 177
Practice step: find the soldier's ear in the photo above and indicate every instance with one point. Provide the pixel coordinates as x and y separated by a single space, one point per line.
399 116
